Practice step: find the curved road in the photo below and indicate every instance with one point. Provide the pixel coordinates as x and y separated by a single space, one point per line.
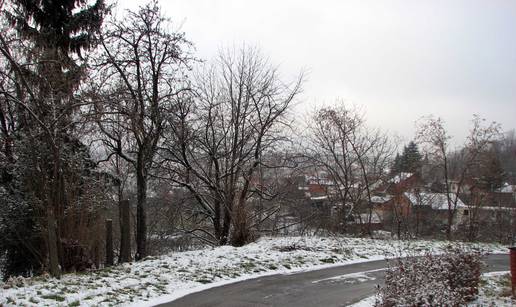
337 286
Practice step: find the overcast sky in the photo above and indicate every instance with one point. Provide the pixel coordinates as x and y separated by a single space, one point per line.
400 60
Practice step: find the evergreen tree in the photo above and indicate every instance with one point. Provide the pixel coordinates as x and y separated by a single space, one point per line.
48 72
410 160
396 165
490 173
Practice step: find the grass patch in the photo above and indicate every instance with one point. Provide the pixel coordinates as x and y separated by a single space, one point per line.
54 297
327 260
248 265
204 281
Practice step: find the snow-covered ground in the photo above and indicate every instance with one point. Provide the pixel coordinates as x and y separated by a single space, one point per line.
160 279
495 290
367 302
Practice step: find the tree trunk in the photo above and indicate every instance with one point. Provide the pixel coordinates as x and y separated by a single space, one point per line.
52 210
109 243
226 225
448 196
141 227
399 230
52 244
125 232
241 233
449 225
216 221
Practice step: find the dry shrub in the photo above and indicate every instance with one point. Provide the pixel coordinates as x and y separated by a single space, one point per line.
450 279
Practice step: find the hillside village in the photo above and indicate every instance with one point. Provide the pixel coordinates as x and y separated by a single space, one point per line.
407 205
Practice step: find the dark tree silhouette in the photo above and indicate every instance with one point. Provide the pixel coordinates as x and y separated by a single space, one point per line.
46 70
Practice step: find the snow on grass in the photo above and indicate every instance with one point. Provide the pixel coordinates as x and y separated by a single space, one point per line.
366 302
158 279
495 290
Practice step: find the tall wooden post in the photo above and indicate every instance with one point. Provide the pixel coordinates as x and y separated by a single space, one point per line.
125 232
512 265
109 243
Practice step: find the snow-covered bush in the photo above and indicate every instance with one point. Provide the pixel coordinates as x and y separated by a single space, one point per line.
449 279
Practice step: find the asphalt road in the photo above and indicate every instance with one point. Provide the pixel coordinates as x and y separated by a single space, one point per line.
338 286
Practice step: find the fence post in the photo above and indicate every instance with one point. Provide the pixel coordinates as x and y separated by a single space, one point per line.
125 232
513 269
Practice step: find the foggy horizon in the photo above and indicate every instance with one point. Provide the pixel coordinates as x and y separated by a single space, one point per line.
398 61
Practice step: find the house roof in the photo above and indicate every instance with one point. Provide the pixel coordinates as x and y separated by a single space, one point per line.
402 182
508 188
400 177
322 197
437 201
380 199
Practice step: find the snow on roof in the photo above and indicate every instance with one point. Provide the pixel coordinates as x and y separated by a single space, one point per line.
376 184
508 188
438 201
400 177
319 197
380 199
319 180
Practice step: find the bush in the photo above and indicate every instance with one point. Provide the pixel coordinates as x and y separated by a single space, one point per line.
450 279
20 238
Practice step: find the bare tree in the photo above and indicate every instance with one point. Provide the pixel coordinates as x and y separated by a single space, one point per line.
143 71
217 143
355 156
432 134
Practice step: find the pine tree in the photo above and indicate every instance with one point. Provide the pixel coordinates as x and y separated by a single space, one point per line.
55 34
411 158
396 165
491 174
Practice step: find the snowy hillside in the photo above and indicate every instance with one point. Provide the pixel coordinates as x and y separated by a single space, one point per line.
160 279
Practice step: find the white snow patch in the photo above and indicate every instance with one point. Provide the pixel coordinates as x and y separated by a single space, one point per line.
367 302
359 276
400 177
495 290
380 199
437 201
